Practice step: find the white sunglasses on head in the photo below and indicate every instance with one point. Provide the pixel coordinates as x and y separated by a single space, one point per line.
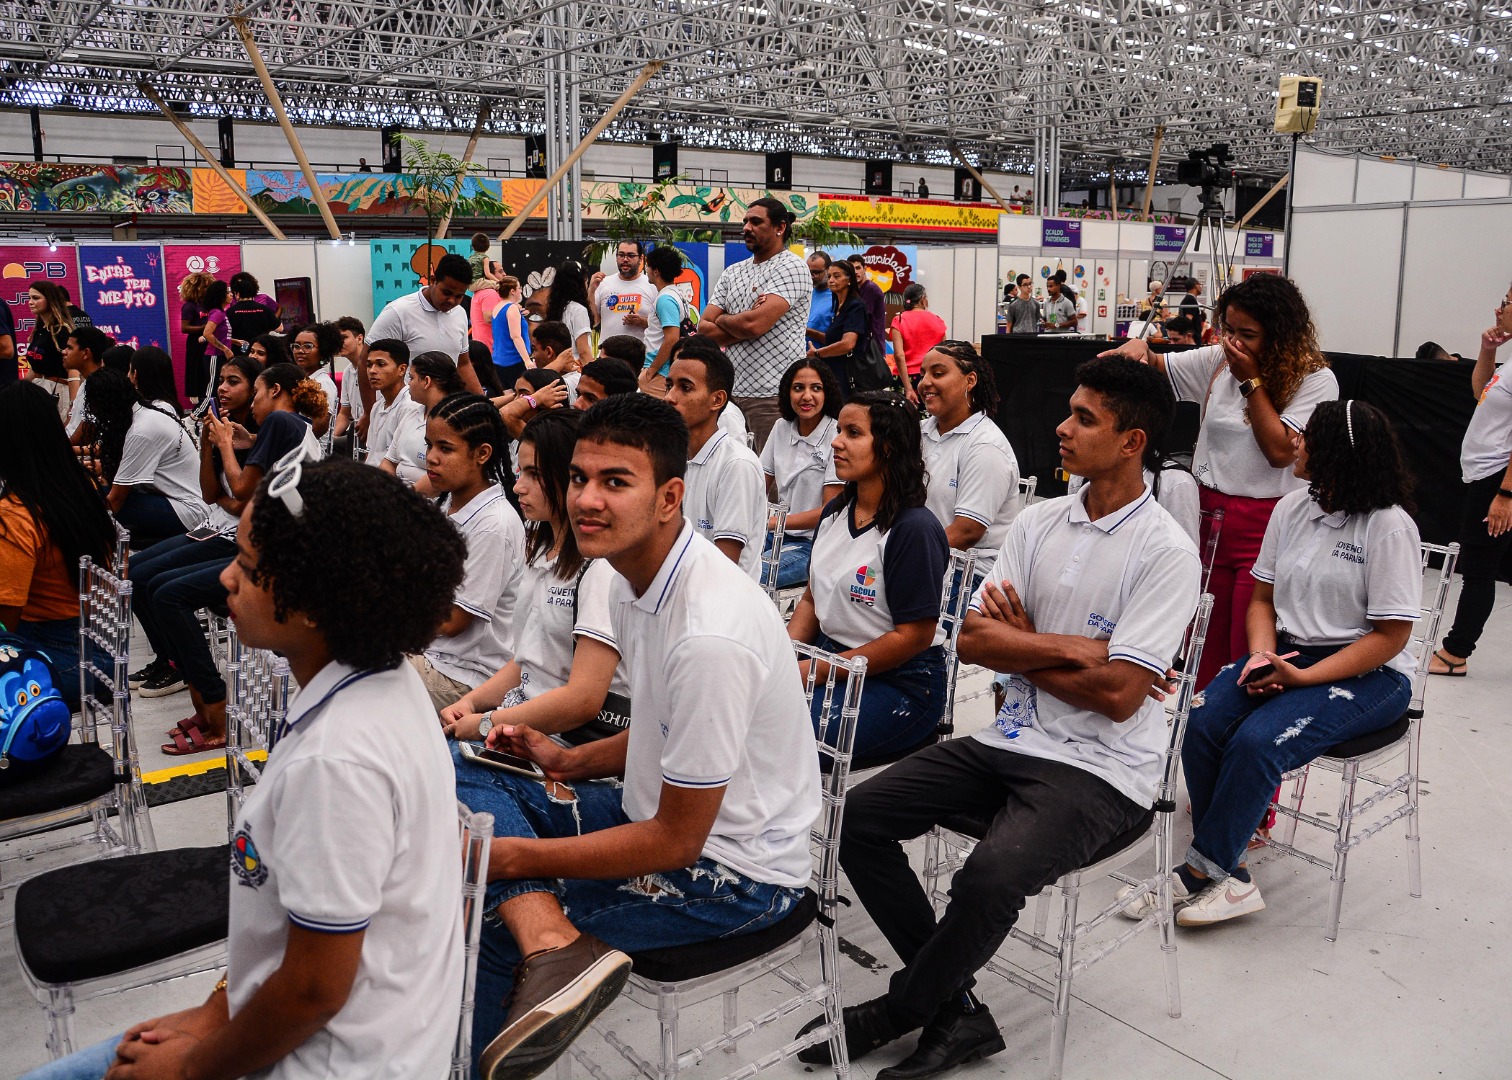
287 472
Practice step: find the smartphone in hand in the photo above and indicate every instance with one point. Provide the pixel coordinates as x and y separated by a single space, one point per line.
1258 674
496 759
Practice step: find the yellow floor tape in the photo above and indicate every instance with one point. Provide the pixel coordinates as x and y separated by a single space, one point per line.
195 768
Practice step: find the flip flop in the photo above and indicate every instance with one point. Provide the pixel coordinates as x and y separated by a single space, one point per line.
184 725
193 741
1455 670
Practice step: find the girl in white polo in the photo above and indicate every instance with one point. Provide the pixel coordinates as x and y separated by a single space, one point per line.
799 461
431 378
876 575
973 475
1337 588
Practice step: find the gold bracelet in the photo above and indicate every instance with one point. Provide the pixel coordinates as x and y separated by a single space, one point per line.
220 987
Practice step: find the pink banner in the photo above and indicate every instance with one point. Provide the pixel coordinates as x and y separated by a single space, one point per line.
179 261
20 265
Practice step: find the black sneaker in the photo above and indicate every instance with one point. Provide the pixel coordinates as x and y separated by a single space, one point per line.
166 682
151 671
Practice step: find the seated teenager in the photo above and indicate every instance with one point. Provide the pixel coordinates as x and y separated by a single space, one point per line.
1086 607
149 463
151 372
393 409
356 391
875 578
345 944
176 578
51 515
83 356
565 678
1338 587
315 348
551 346
799 461
708 836
603 378
467 464
725 495
973 475
432 376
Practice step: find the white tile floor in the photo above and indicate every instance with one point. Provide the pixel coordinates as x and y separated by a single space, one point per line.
1412 988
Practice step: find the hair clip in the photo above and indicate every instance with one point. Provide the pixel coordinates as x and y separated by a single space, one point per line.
1349 421
283 483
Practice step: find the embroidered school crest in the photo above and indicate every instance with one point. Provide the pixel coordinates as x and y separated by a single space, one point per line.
1020 707
864 591
245 861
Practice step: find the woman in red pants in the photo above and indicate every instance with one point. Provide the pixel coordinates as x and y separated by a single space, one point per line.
1257 387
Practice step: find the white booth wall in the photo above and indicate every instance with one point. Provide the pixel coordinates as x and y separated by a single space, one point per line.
1350 180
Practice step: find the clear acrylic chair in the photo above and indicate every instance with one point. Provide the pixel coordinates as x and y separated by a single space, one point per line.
1357 759
87 782
257 699
1213 519
120 561
953 841
669 980
771 556
477 831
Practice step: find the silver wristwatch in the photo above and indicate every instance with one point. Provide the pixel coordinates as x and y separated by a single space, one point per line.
485 725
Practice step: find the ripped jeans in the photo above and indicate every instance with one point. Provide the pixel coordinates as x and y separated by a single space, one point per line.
1238 747
703 902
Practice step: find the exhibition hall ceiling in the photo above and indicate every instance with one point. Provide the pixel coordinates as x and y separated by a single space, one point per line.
899 79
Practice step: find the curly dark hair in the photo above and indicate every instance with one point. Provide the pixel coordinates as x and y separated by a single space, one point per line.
276 346
897 443
405 561
553 435
327 340
832 395
984 395
1291 352
305 394
108 405
1354 460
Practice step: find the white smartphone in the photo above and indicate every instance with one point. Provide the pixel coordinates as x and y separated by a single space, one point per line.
494 759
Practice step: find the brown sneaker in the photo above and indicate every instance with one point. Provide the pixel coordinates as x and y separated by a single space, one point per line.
557 993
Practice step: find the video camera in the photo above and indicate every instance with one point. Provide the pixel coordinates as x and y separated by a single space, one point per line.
1207 168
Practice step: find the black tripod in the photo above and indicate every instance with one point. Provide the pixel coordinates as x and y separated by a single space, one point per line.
1212 219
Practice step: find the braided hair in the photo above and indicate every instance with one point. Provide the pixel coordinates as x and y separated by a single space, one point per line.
476 421
984 395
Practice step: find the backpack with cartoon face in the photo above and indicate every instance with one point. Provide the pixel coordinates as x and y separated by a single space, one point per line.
34 719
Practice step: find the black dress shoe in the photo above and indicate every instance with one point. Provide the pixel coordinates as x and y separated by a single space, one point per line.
867 1026
952 1038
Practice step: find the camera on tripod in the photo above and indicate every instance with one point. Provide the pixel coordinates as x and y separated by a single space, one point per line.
1207 168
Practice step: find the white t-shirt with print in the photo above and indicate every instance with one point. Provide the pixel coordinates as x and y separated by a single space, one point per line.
972 474
1341 572
1487 446
718 703
726 497
801 465
159 456
353 826
546 632
616 298
1228 458
1129 578
490 581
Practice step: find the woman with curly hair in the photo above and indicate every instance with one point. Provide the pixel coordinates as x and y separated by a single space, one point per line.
315 348
973 475
876 573
148 462
1257 388
1337 588
345 902
192 325
798 461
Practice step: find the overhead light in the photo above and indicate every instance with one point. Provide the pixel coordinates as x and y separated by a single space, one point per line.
52 242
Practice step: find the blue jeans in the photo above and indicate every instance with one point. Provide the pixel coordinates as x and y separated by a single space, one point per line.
1237 748
703 902
172 581
59 639
87 1064
899 708
149 517
793 564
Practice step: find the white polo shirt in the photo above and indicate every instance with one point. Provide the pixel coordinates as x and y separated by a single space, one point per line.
865 582
353 826
731 419
726 497
406 448
1342 571
403 414
617 298
972 474
1227 457
159 456
1177 492
1129 578
548 629
351 392
1487 446
718 703
413 320
801 465
76 411
323 379
490 581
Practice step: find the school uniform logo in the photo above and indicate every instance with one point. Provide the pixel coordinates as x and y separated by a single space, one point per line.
864 590
1020 708
1349 552
246 863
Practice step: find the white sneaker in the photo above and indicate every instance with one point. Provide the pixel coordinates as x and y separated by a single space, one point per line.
1228 899
1146 903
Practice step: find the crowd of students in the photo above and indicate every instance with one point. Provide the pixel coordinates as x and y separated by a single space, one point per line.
569 571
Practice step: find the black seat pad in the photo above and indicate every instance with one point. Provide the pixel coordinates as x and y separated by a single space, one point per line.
975 825
1370 742
80 773
111 915
682 962
876 761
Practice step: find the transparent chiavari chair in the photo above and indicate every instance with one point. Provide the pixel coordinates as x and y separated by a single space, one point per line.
954 840
669 980
120 561
257 699
477 831
1357 759
771 556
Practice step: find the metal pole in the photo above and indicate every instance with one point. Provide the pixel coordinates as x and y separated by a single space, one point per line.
1290 198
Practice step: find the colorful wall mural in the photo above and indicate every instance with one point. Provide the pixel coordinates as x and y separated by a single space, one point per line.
39 186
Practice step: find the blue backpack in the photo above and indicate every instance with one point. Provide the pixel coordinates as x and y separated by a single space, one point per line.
34 719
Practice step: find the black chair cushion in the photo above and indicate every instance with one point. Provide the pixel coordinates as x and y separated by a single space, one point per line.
876 761
1371 742
79 773
975 826
111 915
681 962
